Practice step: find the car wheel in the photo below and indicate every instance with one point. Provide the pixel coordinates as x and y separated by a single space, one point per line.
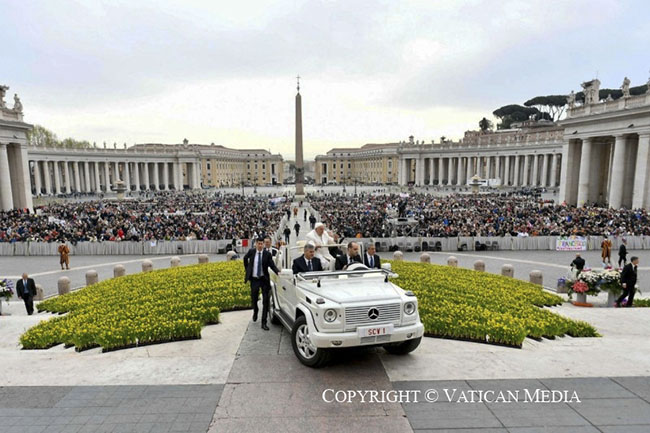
404 347
306 352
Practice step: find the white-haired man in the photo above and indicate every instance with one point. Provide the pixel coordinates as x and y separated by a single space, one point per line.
321 238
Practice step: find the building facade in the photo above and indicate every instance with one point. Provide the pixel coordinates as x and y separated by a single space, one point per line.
529 156
371 163
14 166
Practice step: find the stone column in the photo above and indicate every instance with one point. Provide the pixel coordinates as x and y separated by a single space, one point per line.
553 173
46 175
524 177
506 170
6 196
156 177
116 171
68 177
127 176
147 183
37 178
462 170
535 161
98 183
198 174
178 184
107 177
24 181
87 175
77 179
136 174
641 173
617 171
498 169
165 176
431 171
544 170
441 170
515 181
454 171
57 177
585 172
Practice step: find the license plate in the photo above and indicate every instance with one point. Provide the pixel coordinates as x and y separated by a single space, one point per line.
374 331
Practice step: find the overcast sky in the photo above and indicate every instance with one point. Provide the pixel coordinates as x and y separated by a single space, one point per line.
372 71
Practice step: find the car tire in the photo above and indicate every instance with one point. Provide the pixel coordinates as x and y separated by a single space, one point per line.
404 347
308 355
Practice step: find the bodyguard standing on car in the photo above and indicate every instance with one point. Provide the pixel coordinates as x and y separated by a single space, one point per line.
257 262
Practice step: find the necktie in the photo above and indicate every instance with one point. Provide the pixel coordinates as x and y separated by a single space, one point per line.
259 264
309 265
372 262
25 287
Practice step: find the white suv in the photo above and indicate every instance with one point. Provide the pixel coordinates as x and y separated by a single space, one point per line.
332 309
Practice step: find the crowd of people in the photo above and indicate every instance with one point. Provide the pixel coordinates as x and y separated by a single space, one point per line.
503 214
157 216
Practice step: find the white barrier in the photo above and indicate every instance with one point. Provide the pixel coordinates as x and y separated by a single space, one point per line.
405 244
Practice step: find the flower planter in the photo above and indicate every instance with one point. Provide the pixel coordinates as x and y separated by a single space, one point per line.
581 298
611 299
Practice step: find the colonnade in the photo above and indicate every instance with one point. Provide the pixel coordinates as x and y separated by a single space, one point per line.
52 177
520 170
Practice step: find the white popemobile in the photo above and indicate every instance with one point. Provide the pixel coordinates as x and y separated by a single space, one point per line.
330 309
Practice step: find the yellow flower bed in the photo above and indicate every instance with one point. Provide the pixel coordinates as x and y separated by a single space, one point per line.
464 304
174 304
165 305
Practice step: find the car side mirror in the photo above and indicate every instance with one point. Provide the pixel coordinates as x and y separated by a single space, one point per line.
386 267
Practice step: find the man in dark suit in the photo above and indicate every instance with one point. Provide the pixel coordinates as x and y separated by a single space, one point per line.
628 281
257 262
268 246
351 256
578 263
26 290
370 258
307 262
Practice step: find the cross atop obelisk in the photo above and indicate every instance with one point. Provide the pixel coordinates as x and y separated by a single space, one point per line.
300 171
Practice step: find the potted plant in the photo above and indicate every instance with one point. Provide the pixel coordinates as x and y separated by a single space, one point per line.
6 291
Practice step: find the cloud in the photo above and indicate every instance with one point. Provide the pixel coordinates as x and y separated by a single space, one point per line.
374 71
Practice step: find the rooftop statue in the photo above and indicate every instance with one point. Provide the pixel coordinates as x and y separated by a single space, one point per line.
571 99
626 87
3 92
18 106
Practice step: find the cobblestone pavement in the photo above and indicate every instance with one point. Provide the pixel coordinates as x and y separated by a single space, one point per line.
106 409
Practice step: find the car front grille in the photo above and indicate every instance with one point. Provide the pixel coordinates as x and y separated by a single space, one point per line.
358 316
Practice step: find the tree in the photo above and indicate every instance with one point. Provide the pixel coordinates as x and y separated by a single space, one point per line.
71 143
509 114
554 105
42 137
485 124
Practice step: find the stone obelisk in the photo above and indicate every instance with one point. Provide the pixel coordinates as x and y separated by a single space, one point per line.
300 170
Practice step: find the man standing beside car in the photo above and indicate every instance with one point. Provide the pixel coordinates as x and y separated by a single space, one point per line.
257 262
370 259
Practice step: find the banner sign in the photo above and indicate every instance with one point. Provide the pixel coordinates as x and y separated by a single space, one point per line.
573 243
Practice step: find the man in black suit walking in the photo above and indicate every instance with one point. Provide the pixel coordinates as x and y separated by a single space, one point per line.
352 256
370 259
628 281
26 290
307 262
257 262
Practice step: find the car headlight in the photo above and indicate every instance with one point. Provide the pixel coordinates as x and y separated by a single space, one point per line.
409 308
330 315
